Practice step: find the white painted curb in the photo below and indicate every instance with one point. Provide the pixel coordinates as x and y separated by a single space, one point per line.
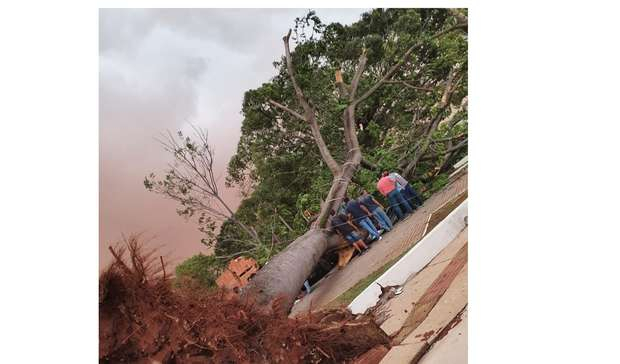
415 259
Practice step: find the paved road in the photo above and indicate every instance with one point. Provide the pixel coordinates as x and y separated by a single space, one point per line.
404 235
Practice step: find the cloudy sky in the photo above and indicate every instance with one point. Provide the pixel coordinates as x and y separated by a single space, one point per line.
160 69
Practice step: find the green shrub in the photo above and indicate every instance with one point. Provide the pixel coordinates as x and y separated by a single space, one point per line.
438 183
204 269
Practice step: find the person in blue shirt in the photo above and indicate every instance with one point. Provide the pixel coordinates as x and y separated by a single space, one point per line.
342 226
360 216
376 208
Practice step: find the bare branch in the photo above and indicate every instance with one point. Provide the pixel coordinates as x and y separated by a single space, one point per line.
447 92
450 118
191 180
289 66
361 64
309 114
288 110
284 221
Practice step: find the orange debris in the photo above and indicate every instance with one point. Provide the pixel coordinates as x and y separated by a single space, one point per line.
237 274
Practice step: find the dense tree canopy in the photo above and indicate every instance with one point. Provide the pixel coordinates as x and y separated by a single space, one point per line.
410 124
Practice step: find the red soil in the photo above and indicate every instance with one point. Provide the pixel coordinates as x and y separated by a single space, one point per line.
142 318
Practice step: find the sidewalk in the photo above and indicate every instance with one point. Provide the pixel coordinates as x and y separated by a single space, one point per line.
426 319
404 235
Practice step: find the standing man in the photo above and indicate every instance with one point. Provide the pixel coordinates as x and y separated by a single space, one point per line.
340 223
409 193
359 214
376 208
387 187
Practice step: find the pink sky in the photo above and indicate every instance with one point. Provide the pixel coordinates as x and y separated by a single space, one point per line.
161 70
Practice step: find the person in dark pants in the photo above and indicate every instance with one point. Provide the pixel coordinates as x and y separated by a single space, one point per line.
341 224
409 192
360 215
387 187
376 209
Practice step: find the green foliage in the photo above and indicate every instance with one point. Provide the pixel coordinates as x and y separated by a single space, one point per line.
203 269
277 161
438 183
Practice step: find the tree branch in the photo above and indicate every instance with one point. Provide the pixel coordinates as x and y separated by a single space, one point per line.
289 65
405 58
423 144
344 92
449 150
447 92
191 180
309 115
361 64
369 165
453 112
406 83
449 138
290 111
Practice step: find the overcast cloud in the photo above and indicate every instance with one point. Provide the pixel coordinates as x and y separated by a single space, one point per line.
159 70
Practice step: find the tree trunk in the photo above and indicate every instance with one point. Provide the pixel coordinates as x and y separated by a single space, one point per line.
281 279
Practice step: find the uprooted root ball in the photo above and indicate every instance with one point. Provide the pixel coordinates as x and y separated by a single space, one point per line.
142 319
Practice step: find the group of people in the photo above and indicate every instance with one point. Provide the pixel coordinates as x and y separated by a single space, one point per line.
368 214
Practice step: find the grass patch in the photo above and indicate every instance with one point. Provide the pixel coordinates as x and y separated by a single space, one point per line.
347 297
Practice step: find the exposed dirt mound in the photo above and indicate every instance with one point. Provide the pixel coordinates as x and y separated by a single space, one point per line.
143 319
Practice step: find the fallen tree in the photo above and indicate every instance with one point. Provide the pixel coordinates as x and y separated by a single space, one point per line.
282 278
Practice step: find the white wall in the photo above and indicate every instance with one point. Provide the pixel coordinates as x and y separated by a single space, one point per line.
416 259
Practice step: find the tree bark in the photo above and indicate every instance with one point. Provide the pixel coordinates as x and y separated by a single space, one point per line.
309 112
281 279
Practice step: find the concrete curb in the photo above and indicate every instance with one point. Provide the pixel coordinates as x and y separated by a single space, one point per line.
415 259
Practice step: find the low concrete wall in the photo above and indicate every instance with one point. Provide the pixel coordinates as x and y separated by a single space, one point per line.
415 259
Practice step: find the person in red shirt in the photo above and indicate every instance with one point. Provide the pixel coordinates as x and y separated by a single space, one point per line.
387 187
